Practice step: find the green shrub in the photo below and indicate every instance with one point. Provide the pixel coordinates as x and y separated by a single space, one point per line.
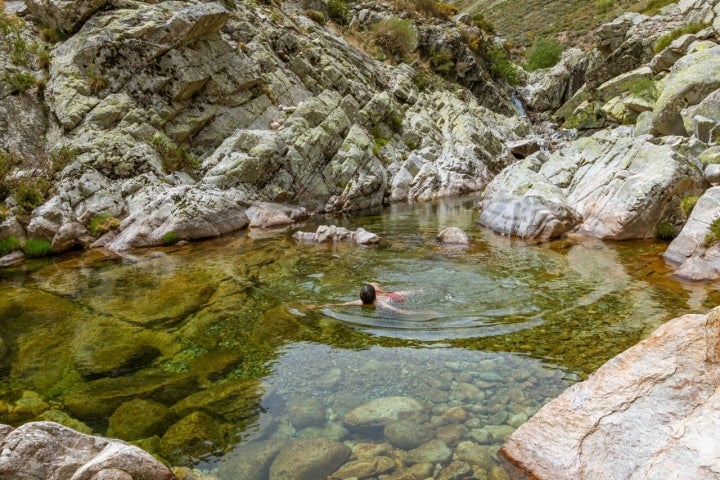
426 7
9 244
665 230
19 82
501 66
713 234
338 12
30 192
687 204
479 20
668 38
441 61
61 158
36 248
544 53
644 87
52 35
378 144
102 223
175 158
654 6
395 36
169 238
316 16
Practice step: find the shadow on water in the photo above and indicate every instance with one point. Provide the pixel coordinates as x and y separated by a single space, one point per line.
219 339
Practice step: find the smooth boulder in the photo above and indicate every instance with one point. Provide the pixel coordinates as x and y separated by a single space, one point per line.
650 412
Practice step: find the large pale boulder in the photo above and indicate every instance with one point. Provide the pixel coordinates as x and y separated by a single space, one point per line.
385 410
694 259
691 79
50 450
610 185
650 412
65 15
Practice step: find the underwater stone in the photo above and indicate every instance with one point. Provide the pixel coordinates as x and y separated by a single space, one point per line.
306 412
250 461
435 451
382 411
195 434
406 434
139 419
365 468
308 459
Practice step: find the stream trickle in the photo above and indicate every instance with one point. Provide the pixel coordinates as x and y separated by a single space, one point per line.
224 335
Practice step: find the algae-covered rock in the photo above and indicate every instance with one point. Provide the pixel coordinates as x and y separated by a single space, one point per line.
232 400
66 420
102 397
194 435
138 419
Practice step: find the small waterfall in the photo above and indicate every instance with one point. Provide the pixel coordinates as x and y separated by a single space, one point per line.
518 104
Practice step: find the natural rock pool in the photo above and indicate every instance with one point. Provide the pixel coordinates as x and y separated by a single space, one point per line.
210 355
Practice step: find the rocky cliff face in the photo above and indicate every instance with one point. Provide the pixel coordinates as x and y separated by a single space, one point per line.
645 101
175 117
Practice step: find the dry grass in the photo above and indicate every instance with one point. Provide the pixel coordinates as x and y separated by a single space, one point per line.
522 21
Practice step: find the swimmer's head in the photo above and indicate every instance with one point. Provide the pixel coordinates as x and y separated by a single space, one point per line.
367 294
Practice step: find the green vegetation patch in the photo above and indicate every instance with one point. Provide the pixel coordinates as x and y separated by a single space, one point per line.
501 66
170 238
316 16
544 53
35 248
687 204
8 245
644 87
338 11
665 230
103 223
668 38
713 234
396 37
654 6
175 158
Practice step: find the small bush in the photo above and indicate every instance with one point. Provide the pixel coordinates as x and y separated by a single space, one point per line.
445 10
664 41
378 144
30 192
61 158
36 248
426 7
338 12
169 238
174 158
479 20
441 61
316 16
501 66
52 35
686 205
102 224
9 244
395 36
19 82
713 234
644 87
544 53
665 230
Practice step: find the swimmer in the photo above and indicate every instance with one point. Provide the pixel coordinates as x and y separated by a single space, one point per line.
372 295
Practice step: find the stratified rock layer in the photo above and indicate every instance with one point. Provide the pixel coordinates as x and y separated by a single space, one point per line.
651 412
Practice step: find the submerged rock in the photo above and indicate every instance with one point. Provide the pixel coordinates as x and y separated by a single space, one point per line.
385 410
453 235
650 412
308 459
49 450
333 234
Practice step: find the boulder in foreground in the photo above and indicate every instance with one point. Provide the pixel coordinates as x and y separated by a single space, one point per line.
651 412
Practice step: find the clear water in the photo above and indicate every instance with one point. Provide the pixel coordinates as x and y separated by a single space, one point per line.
223 334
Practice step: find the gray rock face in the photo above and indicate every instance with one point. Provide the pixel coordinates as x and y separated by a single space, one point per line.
609 185
550 88
49 450
688 251
650 412
691 79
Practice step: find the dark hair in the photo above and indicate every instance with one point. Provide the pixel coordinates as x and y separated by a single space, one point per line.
367 294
